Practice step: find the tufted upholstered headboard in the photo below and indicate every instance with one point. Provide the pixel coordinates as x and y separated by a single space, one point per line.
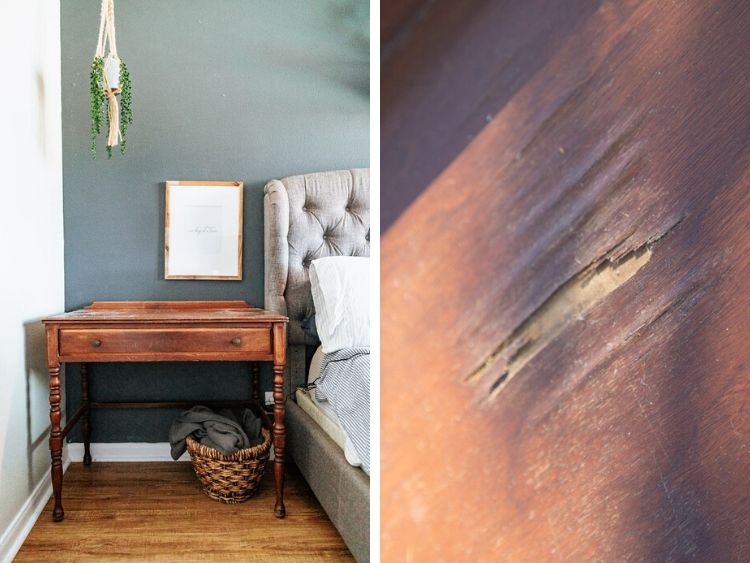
308 217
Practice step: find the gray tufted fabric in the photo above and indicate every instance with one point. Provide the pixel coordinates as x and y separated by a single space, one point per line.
307 217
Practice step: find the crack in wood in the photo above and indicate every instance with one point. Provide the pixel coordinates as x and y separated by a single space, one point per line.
569 302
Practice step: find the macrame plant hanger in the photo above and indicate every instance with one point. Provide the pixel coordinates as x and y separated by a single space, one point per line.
108 79
111 74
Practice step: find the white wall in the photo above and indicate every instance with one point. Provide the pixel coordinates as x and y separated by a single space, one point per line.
31 239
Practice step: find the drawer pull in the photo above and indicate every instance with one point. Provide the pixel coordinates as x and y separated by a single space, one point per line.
96 343
236 341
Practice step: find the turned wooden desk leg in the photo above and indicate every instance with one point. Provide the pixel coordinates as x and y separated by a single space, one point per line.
255 381
279 431
279 438
56 440
86 417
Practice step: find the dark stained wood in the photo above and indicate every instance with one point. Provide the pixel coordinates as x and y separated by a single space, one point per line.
456 69
255 381
395 15
158 512
132 341
171 404
256 406
167 331
170 305
164 332
86 419
164 315
55 439
559 410
279 431
71 422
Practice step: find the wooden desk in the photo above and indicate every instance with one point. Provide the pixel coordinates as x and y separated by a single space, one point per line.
163 331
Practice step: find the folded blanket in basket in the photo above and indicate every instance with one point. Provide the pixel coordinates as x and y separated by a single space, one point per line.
221 430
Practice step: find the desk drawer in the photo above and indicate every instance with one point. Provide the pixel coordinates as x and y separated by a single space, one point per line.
81 342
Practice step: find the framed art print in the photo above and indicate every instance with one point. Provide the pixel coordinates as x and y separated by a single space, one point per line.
203 231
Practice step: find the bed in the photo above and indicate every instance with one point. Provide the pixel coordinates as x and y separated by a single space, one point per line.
307 217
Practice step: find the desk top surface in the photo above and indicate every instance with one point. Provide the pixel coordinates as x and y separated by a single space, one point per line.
168 311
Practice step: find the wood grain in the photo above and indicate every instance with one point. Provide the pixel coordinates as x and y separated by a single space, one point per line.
455 69
119 305
167 312
542 145
279 430
394 16
158 512
78 342
161 332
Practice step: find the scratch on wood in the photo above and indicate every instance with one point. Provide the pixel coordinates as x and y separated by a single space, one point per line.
570 301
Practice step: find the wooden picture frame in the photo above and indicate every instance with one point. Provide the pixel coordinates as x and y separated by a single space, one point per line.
203 230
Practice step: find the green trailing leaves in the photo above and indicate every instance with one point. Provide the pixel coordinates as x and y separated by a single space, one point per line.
126 98
98 101
100 105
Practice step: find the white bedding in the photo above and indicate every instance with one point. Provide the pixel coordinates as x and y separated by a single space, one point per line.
341 365
340 287
323 414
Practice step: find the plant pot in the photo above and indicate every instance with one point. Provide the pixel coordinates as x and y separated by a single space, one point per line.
112 73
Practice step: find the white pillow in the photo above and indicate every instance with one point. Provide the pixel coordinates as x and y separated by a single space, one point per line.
341 292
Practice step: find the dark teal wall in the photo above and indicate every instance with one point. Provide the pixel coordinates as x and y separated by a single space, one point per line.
222 90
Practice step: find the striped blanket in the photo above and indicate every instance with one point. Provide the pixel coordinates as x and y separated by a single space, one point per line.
345 383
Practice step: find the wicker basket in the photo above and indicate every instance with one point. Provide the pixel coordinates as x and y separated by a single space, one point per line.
230 478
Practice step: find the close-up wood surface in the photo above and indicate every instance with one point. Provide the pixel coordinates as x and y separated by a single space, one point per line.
565 282
158 512
397 15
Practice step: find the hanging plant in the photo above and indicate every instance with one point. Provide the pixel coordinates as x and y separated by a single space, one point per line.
98 101
109 77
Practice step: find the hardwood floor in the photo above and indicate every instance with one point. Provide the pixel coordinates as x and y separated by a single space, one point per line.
158 512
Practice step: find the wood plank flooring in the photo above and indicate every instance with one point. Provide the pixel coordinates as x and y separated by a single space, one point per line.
158 512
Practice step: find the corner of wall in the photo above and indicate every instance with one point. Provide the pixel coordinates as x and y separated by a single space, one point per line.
31 139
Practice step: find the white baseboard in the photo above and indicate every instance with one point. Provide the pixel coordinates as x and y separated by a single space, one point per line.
126 451
15 534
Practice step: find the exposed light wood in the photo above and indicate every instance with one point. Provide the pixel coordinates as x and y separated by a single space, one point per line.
528 149
161 332
176 183
158 512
